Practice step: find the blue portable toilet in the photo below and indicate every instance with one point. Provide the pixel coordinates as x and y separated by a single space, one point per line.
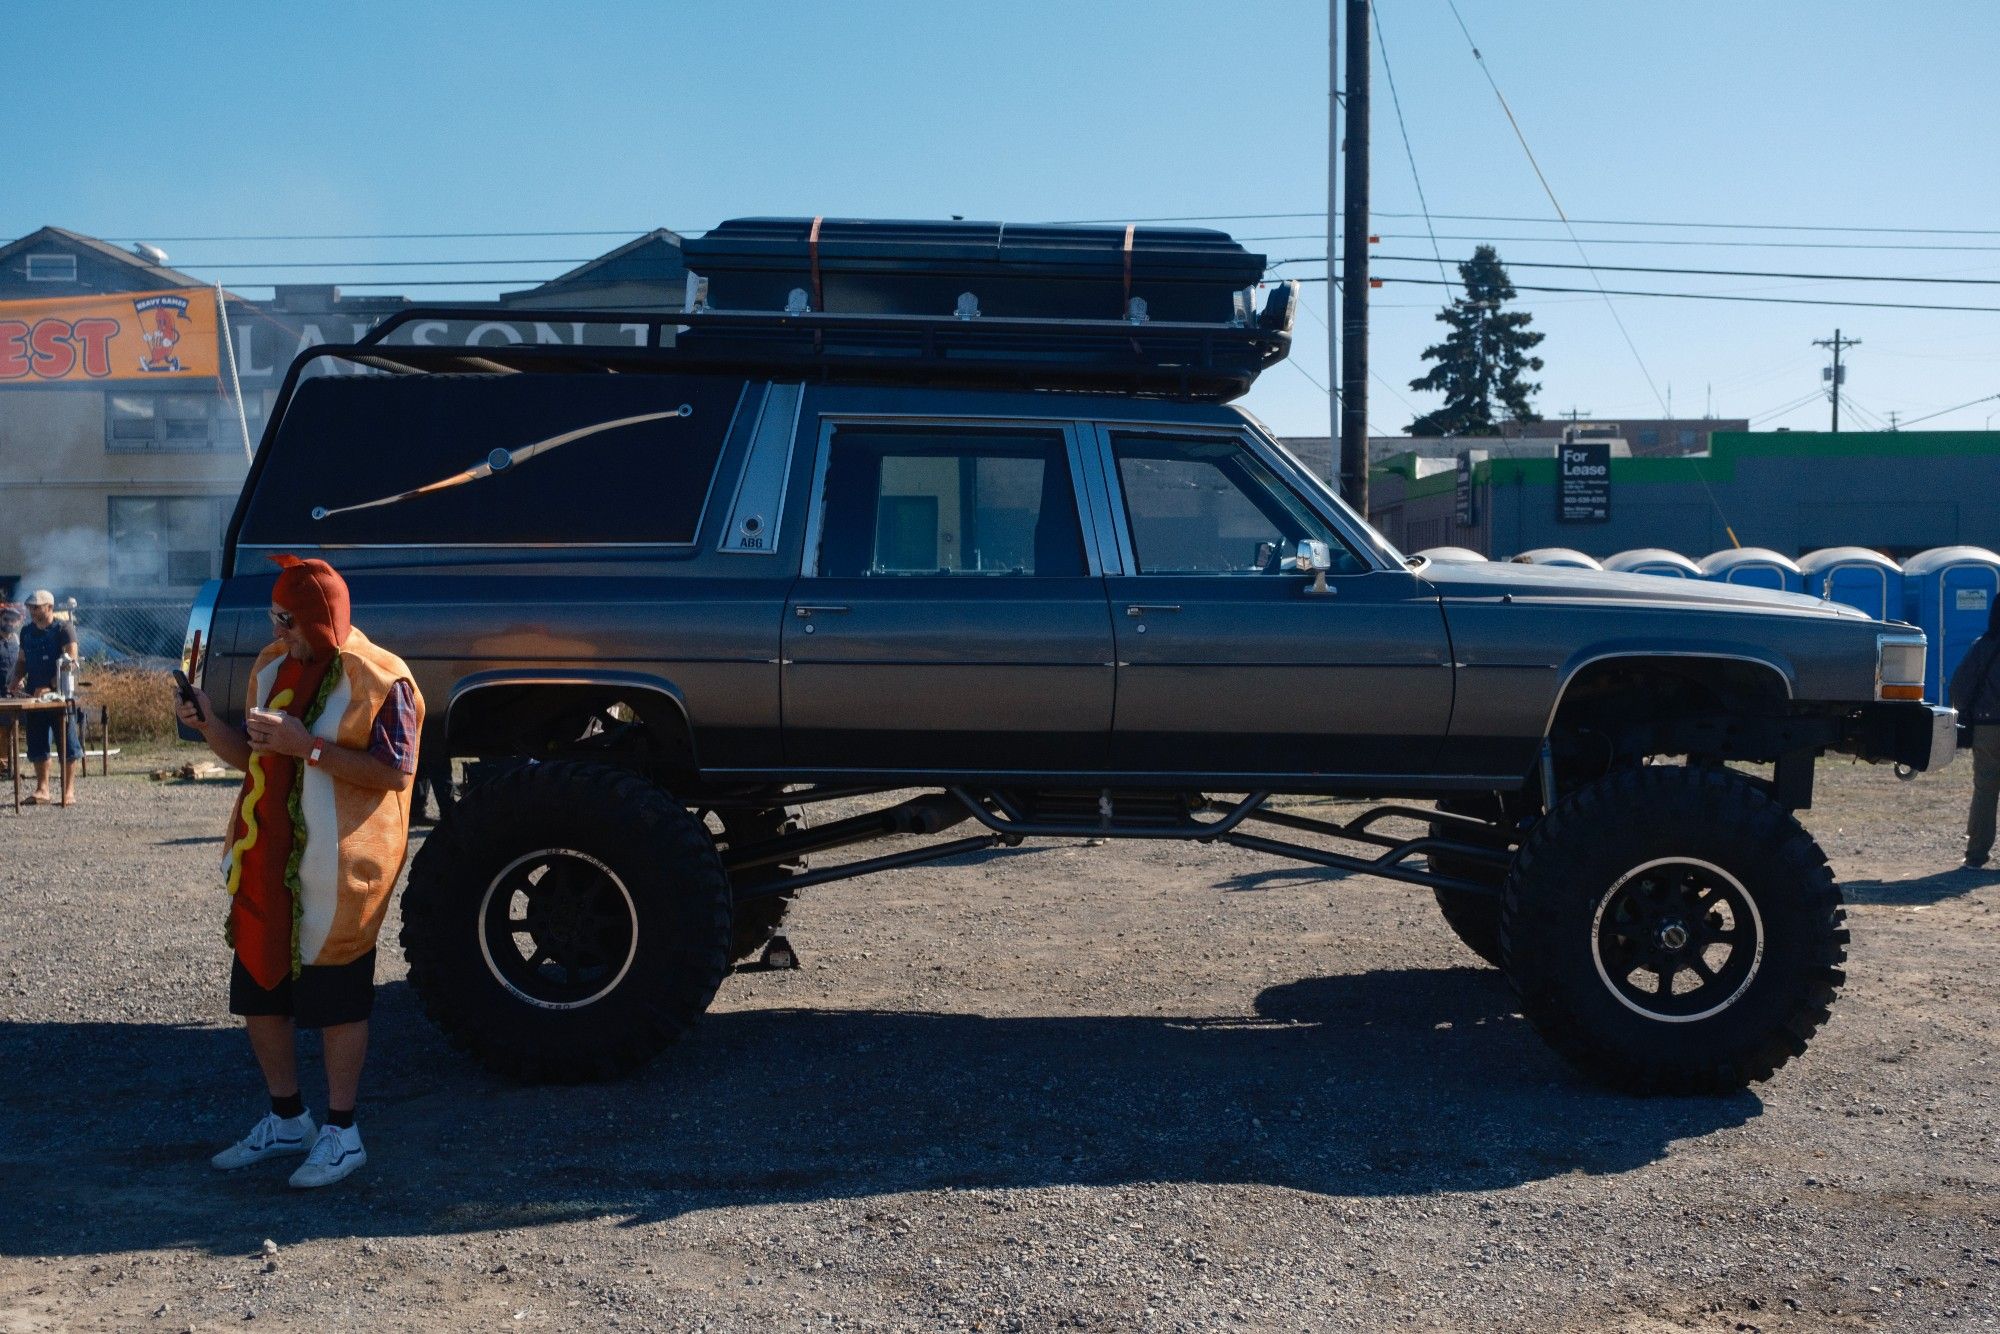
1653 560
1558 556
1858 577
1453 555
1754 567
1948 593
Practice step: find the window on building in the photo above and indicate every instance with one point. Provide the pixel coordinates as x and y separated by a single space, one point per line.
165 541
1649 437
140 419
1688 437
52 268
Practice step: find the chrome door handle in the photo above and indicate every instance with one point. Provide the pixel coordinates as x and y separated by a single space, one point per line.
816 608
1148 608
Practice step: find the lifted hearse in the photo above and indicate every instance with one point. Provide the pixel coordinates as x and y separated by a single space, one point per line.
673 588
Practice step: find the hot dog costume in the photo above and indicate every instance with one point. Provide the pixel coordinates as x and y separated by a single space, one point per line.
311 862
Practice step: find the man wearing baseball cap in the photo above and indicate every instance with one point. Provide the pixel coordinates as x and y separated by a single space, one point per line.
314 848
45 642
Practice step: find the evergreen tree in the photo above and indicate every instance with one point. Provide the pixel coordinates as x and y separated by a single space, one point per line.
1481 362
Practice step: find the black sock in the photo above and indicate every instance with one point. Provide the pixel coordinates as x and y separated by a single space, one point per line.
290 1106
337 1117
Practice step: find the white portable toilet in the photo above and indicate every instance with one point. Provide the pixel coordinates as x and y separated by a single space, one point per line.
1454 555
1653 560
1754 567
1857 576
1564 556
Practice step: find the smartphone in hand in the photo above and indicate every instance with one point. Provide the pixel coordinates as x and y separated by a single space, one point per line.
186 689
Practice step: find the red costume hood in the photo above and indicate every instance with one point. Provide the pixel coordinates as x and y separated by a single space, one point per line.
316 596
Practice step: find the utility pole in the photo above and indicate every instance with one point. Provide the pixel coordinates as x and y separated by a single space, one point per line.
1836 375
1574 414
1332 229
1354 271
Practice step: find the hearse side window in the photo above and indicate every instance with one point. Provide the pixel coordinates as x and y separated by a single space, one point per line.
1197 506
913 503
599 477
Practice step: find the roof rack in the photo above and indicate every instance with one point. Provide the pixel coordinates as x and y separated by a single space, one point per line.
1208 362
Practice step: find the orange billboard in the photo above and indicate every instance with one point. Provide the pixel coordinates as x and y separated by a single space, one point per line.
106 336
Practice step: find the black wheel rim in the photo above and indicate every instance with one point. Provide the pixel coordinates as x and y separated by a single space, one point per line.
1677 940
558 929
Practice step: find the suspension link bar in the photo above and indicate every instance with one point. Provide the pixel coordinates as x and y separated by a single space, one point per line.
1011 822
1389 865
895 860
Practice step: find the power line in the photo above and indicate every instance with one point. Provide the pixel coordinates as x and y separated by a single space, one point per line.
1488 238
393 236
1556 204
1697 296
497 281
342 266
383 263
1719 226
1713 273
1927 416
1193 217
1772 414
1373 374
1397 104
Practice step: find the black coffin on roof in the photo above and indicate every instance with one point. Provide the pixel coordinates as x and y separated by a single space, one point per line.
854 266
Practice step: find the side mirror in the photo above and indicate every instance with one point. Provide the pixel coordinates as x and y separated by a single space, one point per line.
1314 556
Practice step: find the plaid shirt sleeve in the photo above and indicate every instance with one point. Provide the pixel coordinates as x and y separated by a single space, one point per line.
394 740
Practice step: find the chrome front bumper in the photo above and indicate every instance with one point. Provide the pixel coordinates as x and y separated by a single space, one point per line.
1943 748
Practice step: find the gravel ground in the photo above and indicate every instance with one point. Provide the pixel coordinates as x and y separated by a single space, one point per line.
1140 1086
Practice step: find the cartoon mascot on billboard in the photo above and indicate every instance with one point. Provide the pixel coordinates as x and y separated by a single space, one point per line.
164 333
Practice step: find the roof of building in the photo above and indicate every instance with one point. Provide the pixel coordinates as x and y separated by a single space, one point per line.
1715 468
155 275
631 262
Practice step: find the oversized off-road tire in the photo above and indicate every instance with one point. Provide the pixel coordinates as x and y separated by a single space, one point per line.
1673 930
758 919
1473 918
566 922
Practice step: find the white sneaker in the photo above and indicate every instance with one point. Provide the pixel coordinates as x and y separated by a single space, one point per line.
273 1137
335 1154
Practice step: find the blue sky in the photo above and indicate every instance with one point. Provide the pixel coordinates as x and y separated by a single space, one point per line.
412 117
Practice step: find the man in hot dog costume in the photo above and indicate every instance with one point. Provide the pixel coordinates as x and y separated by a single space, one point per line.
315 844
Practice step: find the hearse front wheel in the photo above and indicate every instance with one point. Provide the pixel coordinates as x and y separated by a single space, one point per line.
1673 930
566 922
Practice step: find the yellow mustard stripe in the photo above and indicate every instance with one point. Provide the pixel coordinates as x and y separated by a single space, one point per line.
250 800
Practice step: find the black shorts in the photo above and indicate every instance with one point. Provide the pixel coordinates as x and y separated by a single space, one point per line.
320 996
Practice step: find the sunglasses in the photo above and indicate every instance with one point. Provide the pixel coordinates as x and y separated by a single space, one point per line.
282 619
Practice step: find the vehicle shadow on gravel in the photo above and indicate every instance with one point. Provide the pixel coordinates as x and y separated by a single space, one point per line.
1933 888
1399 1082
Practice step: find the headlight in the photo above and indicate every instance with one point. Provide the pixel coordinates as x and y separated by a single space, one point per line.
1899 667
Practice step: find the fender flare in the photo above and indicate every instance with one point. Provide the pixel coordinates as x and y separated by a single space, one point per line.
562 677
1585 658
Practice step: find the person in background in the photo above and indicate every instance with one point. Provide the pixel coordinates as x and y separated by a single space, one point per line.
10 653
316 842
45 642
1975 693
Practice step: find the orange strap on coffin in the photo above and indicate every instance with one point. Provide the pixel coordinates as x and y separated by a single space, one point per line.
1126 304
812 257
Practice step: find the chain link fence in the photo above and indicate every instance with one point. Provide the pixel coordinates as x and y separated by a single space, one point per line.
132 632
